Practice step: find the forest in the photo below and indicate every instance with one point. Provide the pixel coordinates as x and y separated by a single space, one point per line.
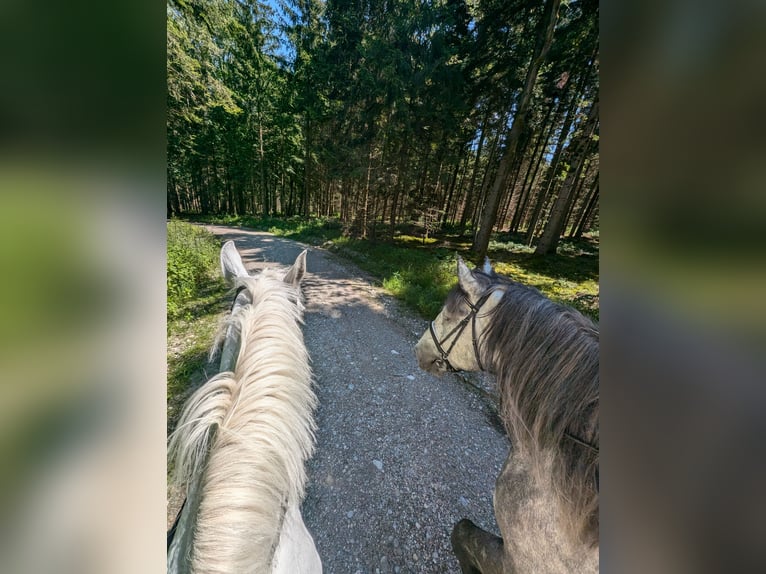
475 116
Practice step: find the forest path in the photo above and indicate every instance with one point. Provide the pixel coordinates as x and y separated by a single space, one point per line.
401 455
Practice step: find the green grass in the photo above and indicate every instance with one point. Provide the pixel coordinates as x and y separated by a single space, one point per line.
422 277
314 231
421 274
196 301
189 341
192 259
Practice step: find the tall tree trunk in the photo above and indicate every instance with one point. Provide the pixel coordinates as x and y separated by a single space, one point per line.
401 185
478 204
262 171
304 205
534 166
433 196
577 193
169 208
592 200
463 176
510 189
420 193
469 193
291 201
544 41
366 193
451 191
174 201
543 193
550 236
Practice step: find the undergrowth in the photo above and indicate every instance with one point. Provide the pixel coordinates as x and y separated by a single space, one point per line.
313 230
422 273
196 298
192 258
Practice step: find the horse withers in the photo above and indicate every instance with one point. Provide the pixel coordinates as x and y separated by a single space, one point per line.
240 446
545 358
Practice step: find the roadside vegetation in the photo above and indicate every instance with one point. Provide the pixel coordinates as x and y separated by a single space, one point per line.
196 297
422 271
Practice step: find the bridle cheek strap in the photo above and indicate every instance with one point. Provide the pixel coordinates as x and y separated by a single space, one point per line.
476 341
457 331
459 328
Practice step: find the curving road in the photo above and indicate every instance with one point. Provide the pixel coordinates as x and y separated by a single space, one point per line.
400 455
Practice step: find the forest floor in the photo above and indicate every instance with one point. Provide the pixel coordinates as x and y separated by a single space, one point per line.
420 270
400 455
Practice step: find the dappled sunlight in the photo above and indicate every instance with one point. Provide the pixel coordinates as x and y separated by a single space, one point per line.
412 241
342 294
421 275
582 294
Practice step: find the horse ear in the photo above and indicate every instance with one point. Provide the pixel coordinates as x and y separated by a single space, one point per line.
298 270
487 267
465 278
231 262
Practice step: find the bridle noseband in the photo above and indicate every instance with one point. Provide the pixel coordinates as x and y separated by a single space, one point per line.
457 331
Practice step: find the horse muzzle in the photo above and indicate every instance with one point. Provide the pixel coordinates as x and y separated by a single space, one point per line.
428 359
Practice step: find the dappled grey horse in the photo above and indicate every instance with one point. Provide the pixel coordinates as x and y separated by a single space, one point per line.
545 358
240 446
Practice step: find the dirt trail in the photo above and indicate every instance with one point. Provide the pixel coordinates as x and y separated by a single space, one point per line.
400 455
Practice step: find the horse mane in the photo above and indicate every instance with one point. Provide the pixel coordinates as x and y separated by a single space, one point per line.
546 358
262 418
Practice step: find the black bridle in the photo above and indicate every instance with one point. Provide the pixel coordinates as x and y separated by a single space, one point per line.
457 331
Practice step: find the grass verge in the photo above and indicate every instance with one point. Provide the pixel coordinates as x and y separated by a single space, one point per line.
422 273
196 301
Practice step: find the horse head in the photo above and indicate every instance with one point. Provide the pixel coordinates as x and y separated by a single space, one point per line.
453 340
233 270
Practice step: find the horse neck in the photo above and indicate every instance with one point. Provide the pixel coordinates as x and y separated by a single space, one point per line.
545 358
270 333
265 417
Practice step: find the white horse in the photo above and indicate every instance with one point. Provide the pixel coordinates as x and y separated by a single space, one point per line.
242 441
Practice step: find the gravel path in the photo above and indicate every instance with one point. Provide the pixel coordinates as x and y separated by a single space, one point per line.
400 455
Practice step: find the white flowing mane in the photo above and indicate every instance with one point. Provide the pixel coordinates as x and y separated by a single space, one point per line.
263 432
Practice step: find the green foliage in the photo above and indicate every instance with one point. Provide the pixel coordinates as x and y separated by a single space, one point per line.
569 277
368 109
192 258
190 334
312 230
422 276
189 340
196 298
